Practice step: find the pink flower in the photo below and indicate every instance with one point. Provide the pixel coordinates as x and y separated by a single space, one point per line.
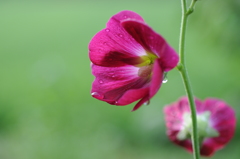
216 124
128 60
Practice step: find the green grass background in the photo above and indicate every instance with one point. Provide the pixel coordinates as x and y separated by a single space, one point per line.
46 110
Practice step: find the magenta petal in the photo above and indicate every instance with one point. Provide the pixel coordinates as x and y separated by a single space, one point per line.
222 119
157 78
184 143
207 149
173 119
145 36
169 58
113 46
152 42
221 113
133 95
124 15
141 102
112 83
107 49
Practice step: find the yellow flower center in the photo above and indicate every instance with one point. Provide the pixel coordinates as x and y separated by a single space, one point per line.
146 65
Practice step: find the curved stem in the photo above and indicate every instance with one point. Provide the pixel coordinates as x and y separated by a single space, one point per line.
183 71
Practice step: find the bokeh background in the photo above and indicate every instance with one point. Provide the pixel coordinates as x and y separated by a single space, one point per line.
46 110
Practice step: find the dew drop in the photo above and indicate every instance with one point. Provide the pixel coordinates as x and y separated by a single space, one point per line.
97 95
116 102
94 93
107 30
111 74
146 103
100 81
120 35
125 16
165 80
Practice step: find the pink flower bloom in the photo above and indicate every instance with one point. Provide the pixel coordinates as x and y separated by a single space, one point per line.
128 60
216 124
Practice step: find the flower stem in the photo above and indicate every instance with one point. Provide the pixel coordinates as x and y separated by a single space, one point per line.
183 71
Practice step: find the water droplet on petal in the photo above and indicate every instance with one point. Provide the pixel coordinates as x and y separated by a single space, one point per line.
107 30
146 103
94 93
165 80
111 74
100 81
120 35
97 95
125 16
116 102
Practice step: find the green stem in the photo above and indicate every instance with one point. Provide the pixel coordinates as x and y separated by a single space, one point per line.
183 71
195 138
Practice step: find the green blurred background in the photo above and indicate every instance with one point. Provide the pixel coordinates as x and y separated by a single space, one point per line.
46 110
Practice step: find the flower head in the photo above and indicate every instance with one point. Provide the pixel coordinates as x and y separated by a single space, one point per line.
216 124
128 60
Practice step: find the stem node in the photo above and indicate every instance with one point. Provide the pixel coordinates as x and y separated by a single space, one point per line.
190 11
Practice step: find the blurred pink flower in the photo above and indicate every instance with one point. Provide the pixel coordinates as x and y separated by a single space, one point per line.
129 60
216 124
